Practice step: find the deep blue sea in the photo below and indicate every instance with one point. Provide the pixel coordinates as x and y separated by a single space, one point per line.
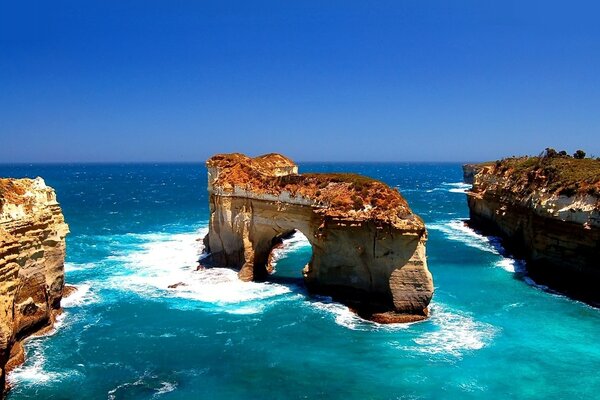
135 230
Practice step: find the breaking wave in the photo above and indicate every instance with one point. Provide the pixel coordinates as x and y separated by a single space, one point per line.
454 333
34 371
165 265
82 296
458 231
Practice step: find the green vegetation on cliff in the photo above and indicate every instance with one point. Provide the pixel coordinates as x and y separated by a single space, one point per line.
554 172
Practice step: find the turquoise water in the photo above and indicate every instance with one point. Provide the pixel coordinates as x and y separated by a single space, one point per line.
125 335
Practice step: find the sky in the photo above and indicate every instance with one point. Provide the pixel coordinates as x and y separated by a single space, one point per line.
418 80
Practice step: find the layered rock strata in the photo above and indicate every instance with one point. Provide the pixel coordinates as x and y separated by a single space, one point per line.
368 247
32 254
547 210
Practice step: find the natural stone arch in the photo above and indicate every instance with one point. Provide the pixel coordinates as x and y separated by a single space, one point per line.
368 248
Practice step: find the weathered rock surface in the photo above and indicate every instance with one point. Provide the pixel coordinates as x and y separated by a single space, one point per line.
32 254
368 248
547 211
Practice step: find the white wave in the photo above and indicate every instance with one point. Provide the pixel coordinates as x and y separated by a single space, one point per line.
33 373
222 286
349 319
72 267
507 264
512 265
171 259
145 380
166 387
34 369
342 314
457 230
82 296
59 322
454 333
452 187
458 185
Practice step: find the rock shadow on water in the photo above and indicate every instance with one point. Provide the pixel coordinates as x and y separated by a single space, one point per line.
538 275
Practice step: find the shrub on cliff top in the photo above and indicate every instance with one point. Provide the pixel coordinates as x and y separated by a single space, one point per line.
564 175
579 155
549 152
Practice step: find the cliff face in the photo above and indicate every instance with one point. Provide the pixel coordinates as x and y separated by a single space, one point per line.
548 211
368 247
32 253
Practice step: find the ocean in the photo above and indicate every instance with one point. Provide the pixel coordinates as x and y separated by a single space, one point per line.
136 229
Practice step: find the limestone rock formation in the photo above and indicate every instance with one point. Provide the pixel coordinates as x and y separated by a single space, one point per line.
548 211
368 248
32 254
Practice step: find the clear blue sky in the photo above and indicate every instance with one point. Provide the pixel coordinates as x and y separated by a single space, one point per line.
395 80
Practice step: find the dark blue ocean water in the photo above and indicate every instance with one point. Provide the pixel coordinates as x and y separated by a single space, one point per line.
125 335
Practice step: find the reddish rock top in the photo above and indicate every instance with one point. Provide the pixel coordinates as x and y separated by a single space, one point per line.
339 195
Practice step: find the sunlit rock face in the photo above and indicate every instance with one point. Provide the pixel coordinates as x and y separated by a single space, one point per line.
32 254
547 210
368 248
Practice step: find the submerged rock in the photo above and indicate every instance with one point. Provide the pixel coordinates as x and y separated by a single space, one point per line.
368 247
32 255
547 210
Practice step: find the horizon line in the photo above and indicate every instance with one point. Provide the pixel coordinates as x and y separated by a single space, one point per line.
25 163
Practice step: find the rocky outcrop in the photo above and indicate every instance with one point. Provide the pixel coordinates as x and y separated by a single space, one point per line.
368 248
469 172
32 254
547 210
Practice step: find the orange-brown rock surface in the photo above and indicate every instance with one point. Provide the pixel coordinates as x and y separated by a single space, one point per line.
368 247
32 254
547 209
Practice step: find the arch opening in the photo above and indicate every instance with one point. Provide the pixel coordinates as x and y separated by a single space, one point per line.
289 254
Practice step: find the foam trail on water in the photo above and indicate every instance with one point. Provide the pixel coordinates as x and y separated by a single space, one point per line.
349 319
72 267
507 264
82 296
512 265
34 370
457 187
452 187
457 230
164 260
456 333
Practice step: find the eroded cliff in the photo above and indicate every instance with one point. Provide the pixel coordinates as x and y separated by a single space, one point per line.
368 247
32 254
547 209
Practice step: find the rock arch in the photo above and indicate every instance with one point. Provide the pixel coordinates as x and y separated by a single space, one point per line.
368 248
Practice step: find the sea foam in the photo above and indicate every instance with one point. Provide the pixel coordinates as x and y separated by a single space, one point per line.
35 371
454 333
457 230
164 260
457 187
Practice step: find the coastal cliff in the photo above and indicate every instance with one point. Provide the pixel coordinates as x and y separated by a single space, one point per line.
368 247
547 210
32 254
